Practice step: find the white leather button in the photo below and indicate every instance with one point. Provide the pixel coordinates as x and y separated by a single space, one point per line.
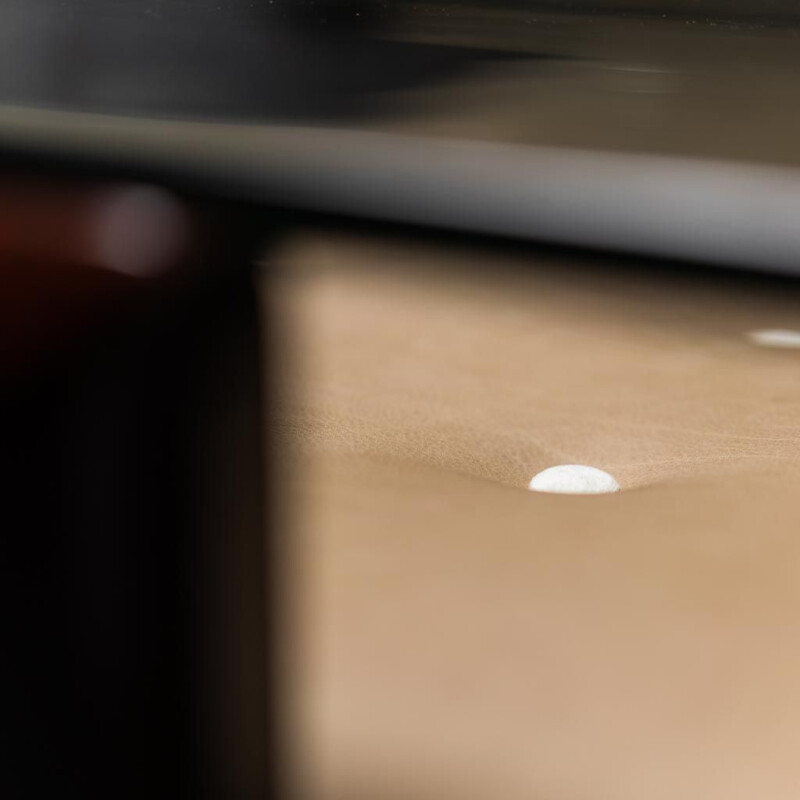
776 338
573 479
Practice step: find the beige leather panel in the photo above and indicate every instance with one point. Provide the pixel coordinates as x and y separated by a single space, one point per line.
457 360
455 636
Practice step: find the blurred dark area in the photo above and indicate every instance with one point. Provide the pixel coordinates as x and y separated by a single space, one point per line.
677 76
134 552
301 59
253 60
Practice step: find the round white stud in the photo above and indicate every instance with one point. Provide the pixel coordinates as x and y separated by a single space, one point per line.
573 479
776 338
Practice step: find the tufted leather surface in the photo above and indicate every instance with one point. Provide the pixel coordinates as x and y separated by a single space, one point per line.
455 636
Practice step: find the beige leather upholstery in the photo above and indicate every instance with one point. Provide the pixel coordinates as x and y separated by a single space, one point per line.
456 636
